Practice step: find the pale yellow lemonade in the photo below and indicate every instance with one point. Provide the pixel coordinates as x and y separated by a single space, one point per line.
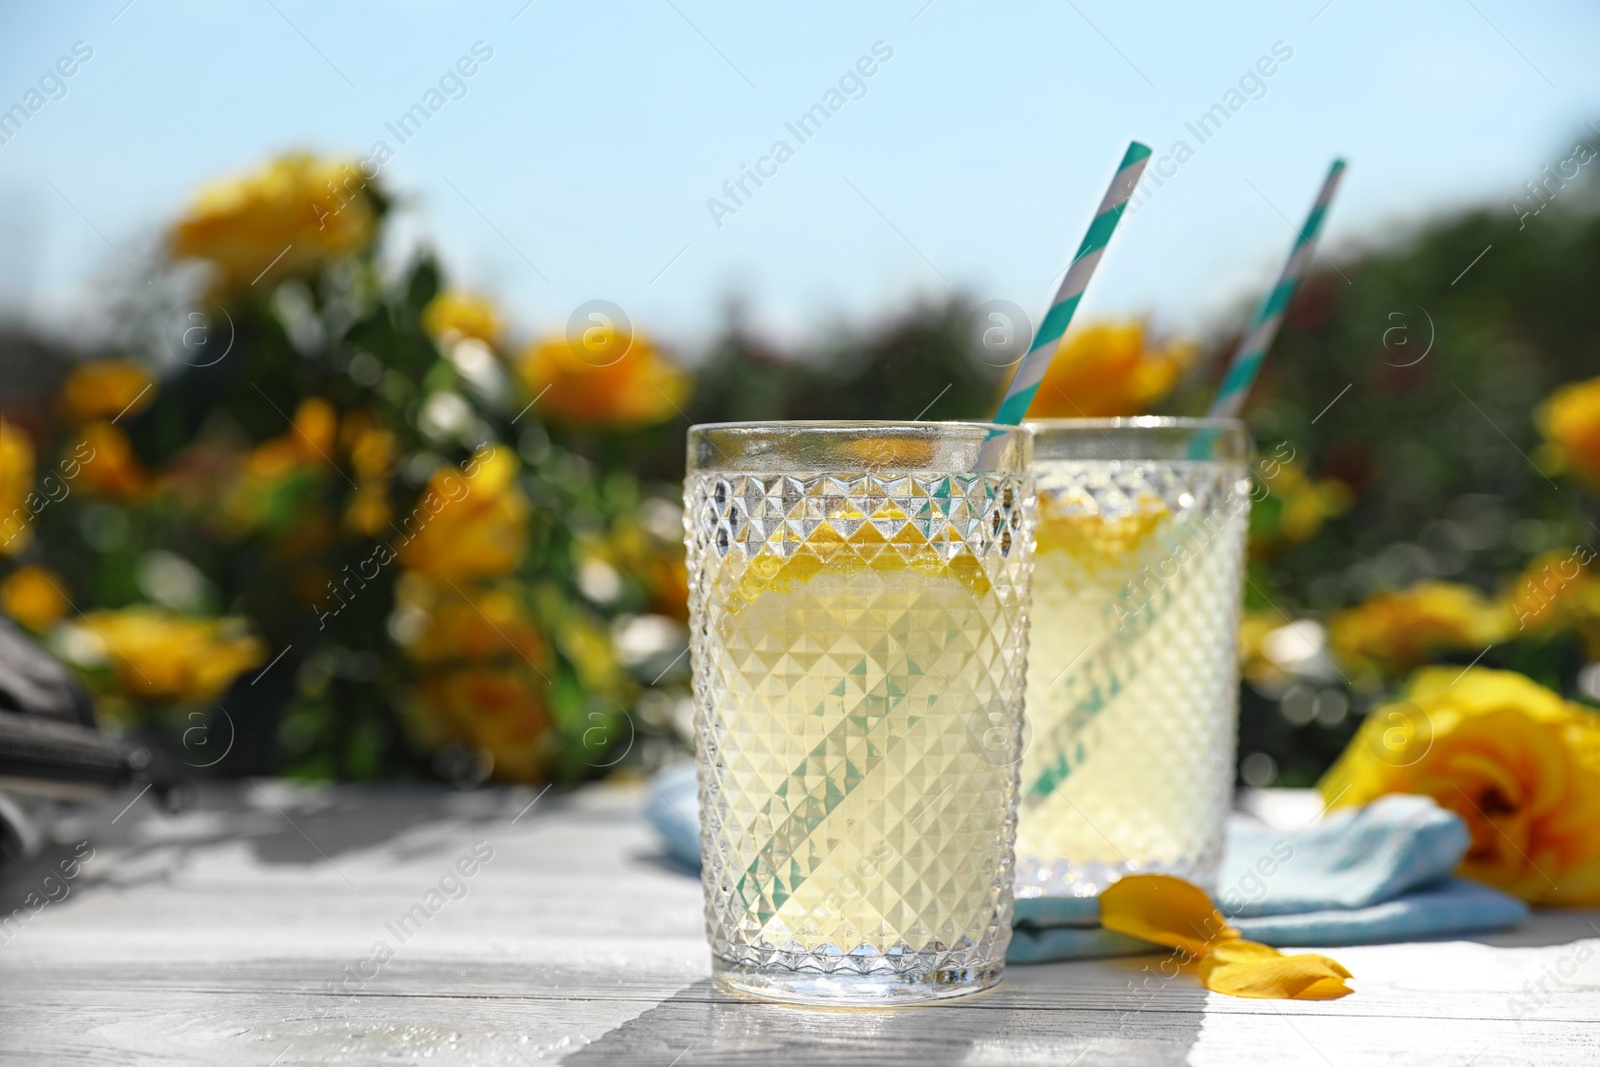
1132 685
858 824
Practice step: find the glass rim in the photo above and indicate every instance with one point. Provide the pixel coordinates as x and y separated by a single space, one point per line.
1138 422
826 445
856 424
1141 439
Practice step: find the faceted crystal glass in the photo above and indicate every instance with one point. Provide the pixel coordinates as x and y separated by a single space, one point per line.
1133 685
858 610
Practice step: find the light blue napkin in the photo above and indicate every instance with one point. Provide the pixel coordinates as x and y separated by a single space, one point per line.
1357 876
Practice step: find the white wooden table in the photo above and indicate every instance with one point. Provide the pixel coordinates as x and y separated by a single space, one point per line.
244 930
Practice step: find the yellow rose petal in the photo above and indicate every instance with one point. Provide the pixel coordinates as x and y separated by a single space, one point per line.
1166 910
1172 912
1248 969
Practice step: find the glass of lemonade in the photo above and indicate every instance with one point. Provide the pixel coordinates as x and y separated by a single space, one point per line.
858 610
1133 678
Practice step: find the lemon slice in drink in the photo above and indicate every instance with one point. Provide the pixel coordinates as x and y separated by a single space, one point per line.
1099 542
849 542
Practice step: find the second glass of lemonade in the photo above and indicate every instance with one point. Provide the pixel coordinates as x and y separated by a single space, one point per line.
858 612
1133 683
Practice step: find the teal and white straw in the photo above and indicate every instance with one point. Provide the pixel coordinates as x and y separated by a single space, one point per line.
1257 340
1030 371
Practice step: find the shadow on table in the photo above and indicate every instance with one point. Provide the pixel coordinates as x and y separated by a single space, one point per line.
279 823
1039 1015
1545 927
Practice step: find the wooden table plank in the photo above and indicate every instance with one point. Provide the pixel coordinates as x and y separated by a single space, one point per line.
221 936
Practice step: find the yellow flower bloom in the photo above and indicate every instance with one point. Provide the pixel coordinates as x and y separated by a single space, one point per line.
1294 507
1520 766
604 380
465 527
16 482
1169 911
161 656
372 450
1557 592
591 652
1393 632
1570 421
111 469
468 623
286 219
669 587
105 389
305 450
1254 663
452 315
368 513
500 713
1109 369
33 596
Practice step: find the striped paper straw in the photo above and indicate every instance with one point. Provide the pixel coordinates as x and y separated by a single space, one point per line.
1252 350
1030 371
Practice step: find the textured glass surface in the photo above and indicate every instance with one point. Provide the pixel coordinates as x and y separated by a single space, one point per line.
1133 690
859 646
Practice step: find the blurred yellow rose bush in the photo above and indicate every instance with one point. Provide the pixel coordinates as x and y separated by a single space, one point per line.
348 512
1520 766
1109 369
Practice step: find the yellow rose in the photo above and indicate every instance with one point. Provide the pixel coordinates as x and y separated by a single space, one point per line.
111 468
1520 766
467 526
500 713
286 219
472 624
603 379
1393 632
669 586
304 450
1557 592
1254 663
106 389
372 450
453 315
1570 421
1294 507
1108 369
16 482
161 656
33 596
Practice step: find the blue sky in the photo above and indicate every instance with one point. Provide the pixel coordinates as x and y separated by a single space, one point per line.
579 163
